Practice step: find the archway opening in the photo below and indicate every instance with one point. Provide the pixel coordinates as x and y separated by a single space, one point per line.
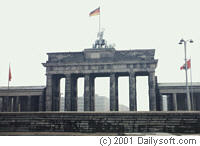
80 94
142 93
123 93
62 94
102 99
164 102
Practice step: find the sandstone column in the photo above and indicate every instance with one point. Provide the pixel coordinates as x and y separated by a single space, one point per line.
29 103
12 104
161 102
192 101
74 93
16 104
41 103
5 106
174 100
113 92
1 104
169 102
49 94
195 102
56 93
9 104
92 93
132 92
152 91
87 92
68 93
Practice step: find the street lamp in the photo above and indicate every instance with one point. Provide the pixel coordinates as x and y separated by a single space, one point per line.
182 41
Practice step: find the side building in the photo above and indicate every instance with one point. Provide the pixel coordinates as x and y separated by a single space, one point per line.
174 95
22 98
171 97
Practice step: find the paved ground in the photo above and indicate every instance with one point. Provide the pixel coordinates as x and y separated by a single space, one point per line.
89 134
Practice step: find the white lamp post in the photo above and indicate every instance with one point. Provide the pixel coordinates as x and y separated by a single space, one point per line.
182 41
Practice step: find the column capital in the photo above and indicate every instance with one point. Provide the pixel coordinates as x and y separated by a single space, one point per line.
114 74
67 75
132 73
49 75
86 74
151 73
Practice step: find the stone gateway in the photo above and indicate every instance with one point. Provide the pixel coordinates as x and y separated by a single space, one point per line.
19 106
92 63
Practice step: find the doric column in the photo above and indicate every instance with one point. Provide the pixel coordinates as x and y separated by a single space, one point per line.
41 102
132 92
3 108
4 104
87 92
193 108
161 103
29 103
19 104
114 92
92 93
68 93
169 102
89 99
174 100
48 100
152 91
74 93
56 93
9 104
195 98
1 104
16 104
12 104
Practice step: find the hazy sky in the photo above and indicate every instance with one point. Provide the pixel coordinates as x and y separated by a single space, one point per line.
31 28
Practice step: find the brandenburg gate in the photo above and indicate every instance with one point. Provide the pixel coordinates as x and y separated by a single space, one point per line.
98 62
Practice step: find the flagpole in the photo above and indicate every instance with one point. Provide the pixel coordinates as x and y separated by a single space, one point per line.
186 75
191 87
99 19
8 88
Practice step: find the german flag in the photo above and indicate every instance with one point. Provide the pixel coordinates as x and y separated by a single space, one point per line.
95 12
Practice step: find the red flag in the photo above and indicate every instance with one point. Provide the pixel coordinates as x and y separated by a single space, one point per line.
9 75
188 65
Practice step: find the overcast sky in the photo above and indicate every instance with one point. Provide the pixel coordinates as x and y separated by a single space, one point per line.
31 28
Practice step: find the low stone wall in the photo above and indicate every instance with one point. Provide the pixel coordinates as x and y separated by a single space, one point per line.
118 122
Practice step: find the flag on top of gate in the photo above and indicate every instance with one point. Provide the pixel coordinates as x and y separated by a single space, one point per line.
95 12
188 65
